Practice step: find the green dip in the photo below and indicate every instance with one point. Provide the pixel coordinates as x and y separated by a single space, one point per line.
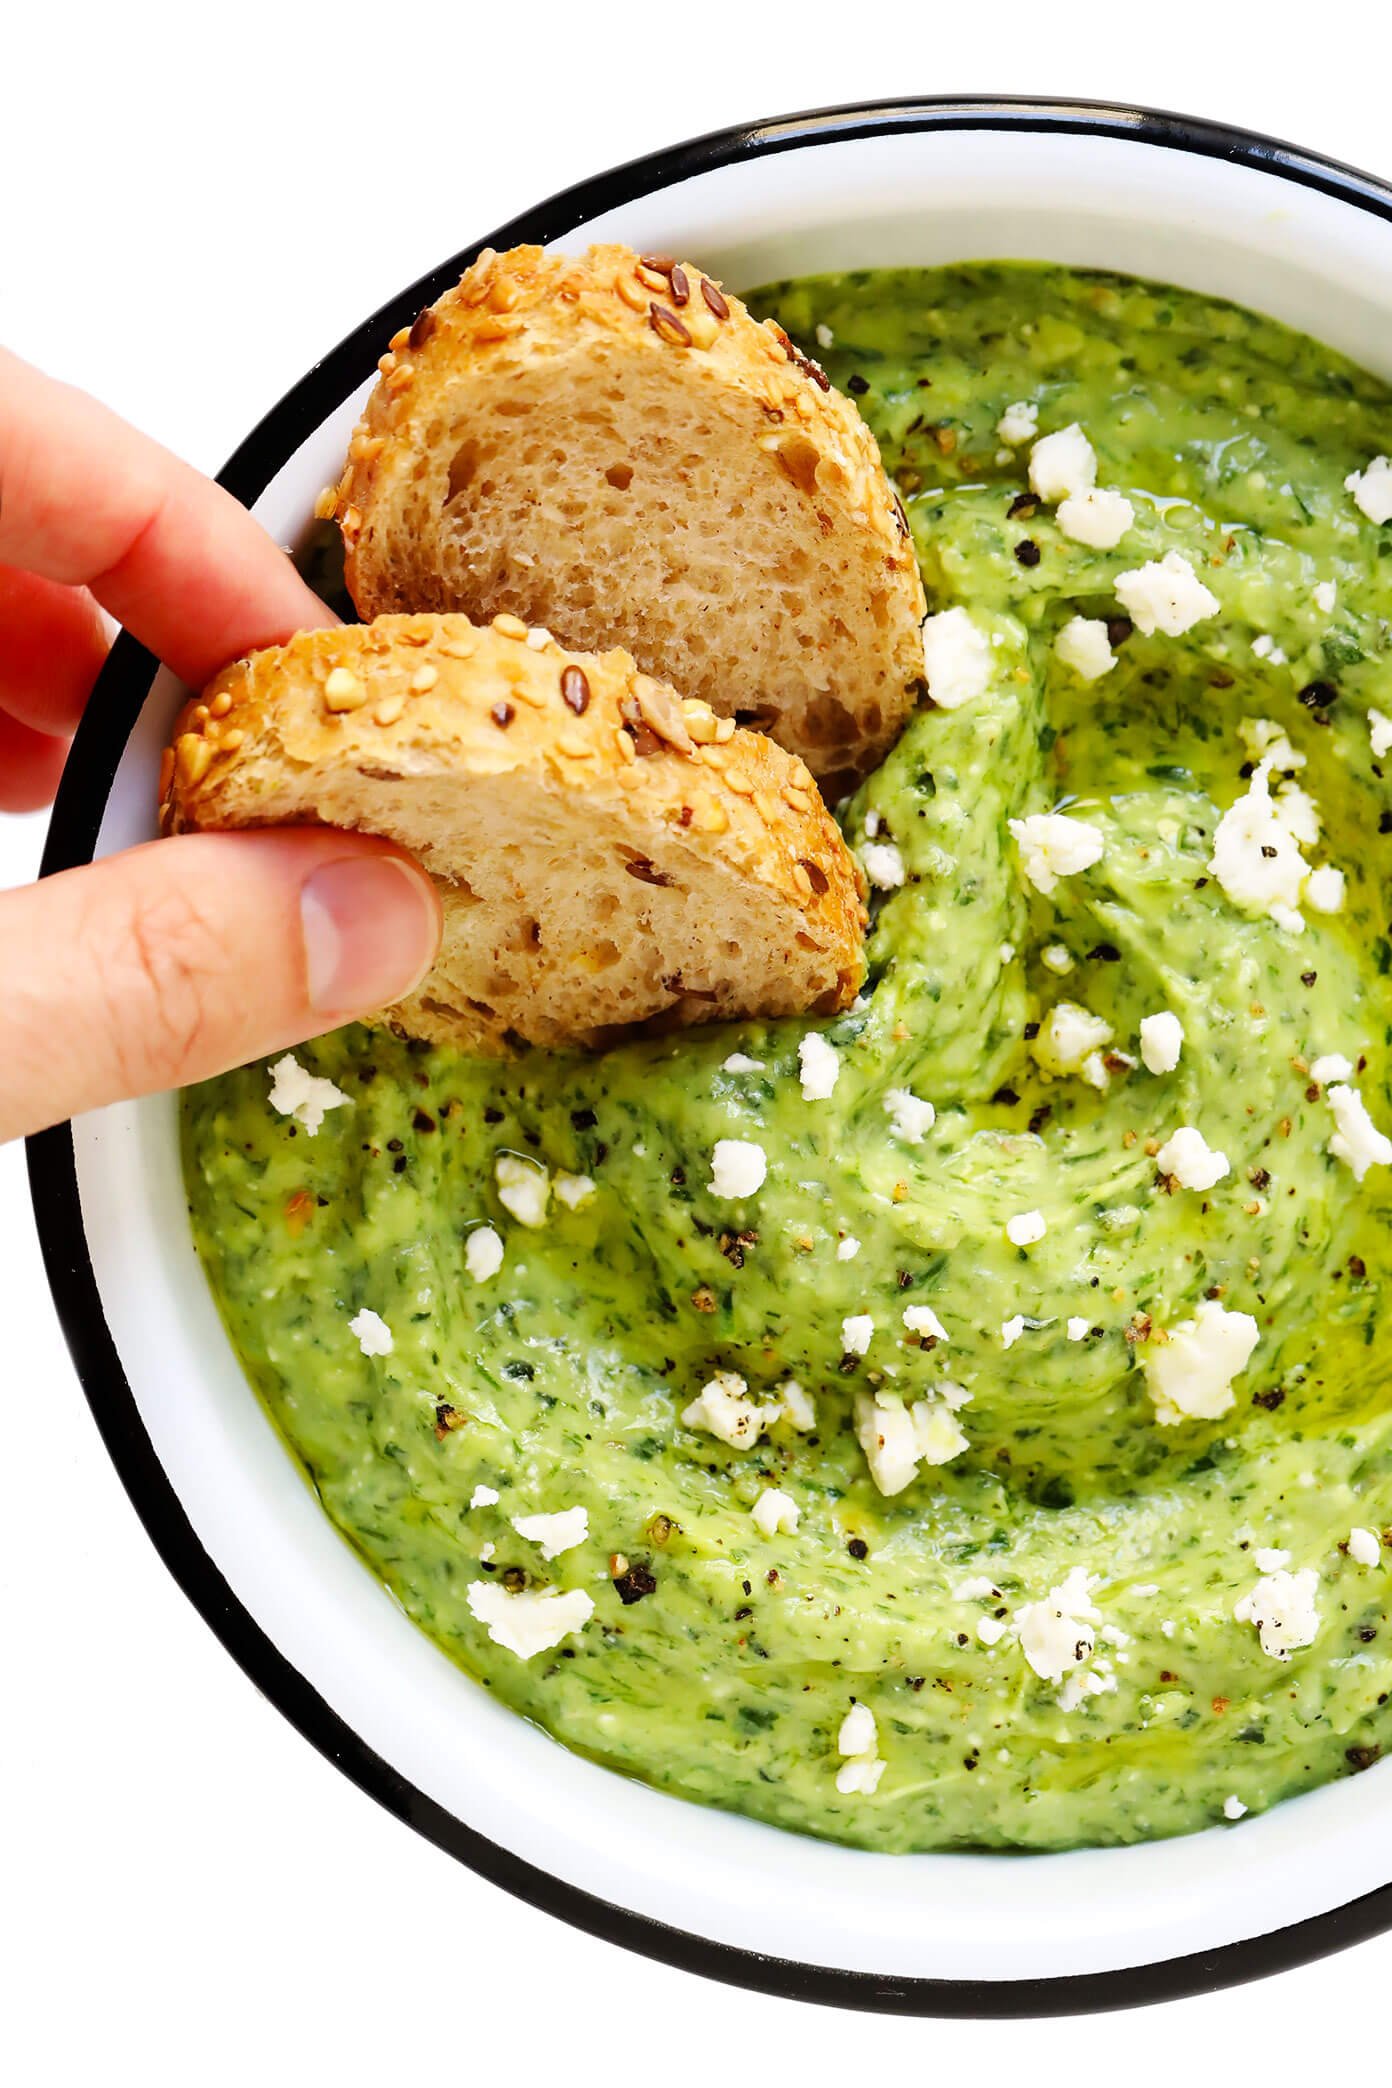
559 1382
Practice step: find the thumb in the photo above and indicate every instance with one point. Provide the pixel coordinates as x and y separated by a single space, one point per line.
183 957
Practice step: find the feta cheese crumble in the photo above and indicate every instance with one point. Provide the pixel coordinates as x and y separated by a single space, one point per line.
897 1439
1053 846
1077 1328
1364 1547
1380 733
484 1497
1233 1808
1056 957
1325 889
857 1332
1372 489
991 1630
1264 740
1162 1039
957 660
1270 1559
775 1511
723 1409
524 1188
1256 858
1012 1329
483 1253
1062 464
797 1406
738 1167
374 1336
819 1067
847 1249
740 1062
921 1319
910 1118
573 1190
858 1743
1333 1066
1325 595
1097 518
1190 1376
1165 595
1188 1159
1057 1632
1084 646
1068 1036
1019 423
883 865
554 1534
531 1622
1026 1229
298 1093
1357 1140
1284 1610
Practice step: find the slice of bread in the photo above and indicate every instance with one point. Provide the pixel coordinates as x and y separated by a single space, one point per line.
607 854
612 447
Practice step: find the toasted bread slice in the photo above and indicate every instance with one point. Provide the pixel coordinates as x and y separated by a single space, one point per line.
607 855
614 448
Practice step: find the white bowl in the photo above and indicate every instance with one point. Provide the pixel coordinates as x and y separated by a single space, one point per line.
921 182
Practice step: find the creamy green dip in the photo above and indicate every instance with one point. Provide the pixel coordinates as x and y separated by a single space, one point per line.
720 1662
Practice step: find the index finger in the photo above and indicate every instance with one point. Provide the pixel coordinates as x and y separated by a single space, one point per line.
89 502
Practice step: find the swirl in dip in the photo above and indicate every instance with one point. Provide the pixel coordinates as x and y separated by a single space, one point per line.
964 1423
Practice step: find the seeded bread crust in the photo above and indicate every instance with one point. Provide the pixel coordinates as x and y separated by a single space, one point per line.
612 446
607 855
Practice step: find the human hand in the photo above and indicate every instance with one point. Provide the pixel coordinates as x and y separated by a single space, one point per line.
185 956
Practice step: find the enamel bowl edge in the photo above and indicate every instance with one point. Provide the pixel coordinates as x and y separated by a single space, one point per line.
913 182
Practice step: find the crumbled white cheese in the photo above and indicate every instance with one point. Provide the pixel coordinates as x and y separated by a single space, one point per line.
1188 1159
1357 1140
1190 1375
1053 846
1165 595
1067 1036
484 1497
738 1167
1056 957
991 1630
1380 733
883 865
1077 1328
819 1066
740 1062
775 1511
860 1776
1094 1070
1025 1229
1264 740
723 1409
1012 1329
1062 464
1019 423
1372 489
301 1094
1264 647
921 1319
857 1332
857 1734
1283 1608
1270 1558
1084 646
1097 518
957 660
910 1118
1233 1808
1333 1066
373 1333
573 1190
797 1405
824 336
554 1534
847 1249
1325 889
483 1253
1364 1547
896 1438
531 1622
524 1188
1056 1633
1256 858
1325 596
1162 1039
980 1588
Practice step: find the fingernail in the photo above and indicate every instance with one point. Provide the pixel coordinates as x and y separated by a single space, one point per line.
371 928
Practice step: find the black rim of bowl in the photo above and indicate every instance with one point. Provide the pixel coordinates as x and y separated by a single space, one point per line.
77 816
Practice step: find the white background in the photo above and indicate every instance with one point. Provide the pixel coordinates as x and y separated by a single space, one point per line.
197 202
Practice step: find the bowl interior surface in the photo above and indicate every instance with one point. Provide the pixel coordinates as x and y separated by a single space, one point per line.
917 197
